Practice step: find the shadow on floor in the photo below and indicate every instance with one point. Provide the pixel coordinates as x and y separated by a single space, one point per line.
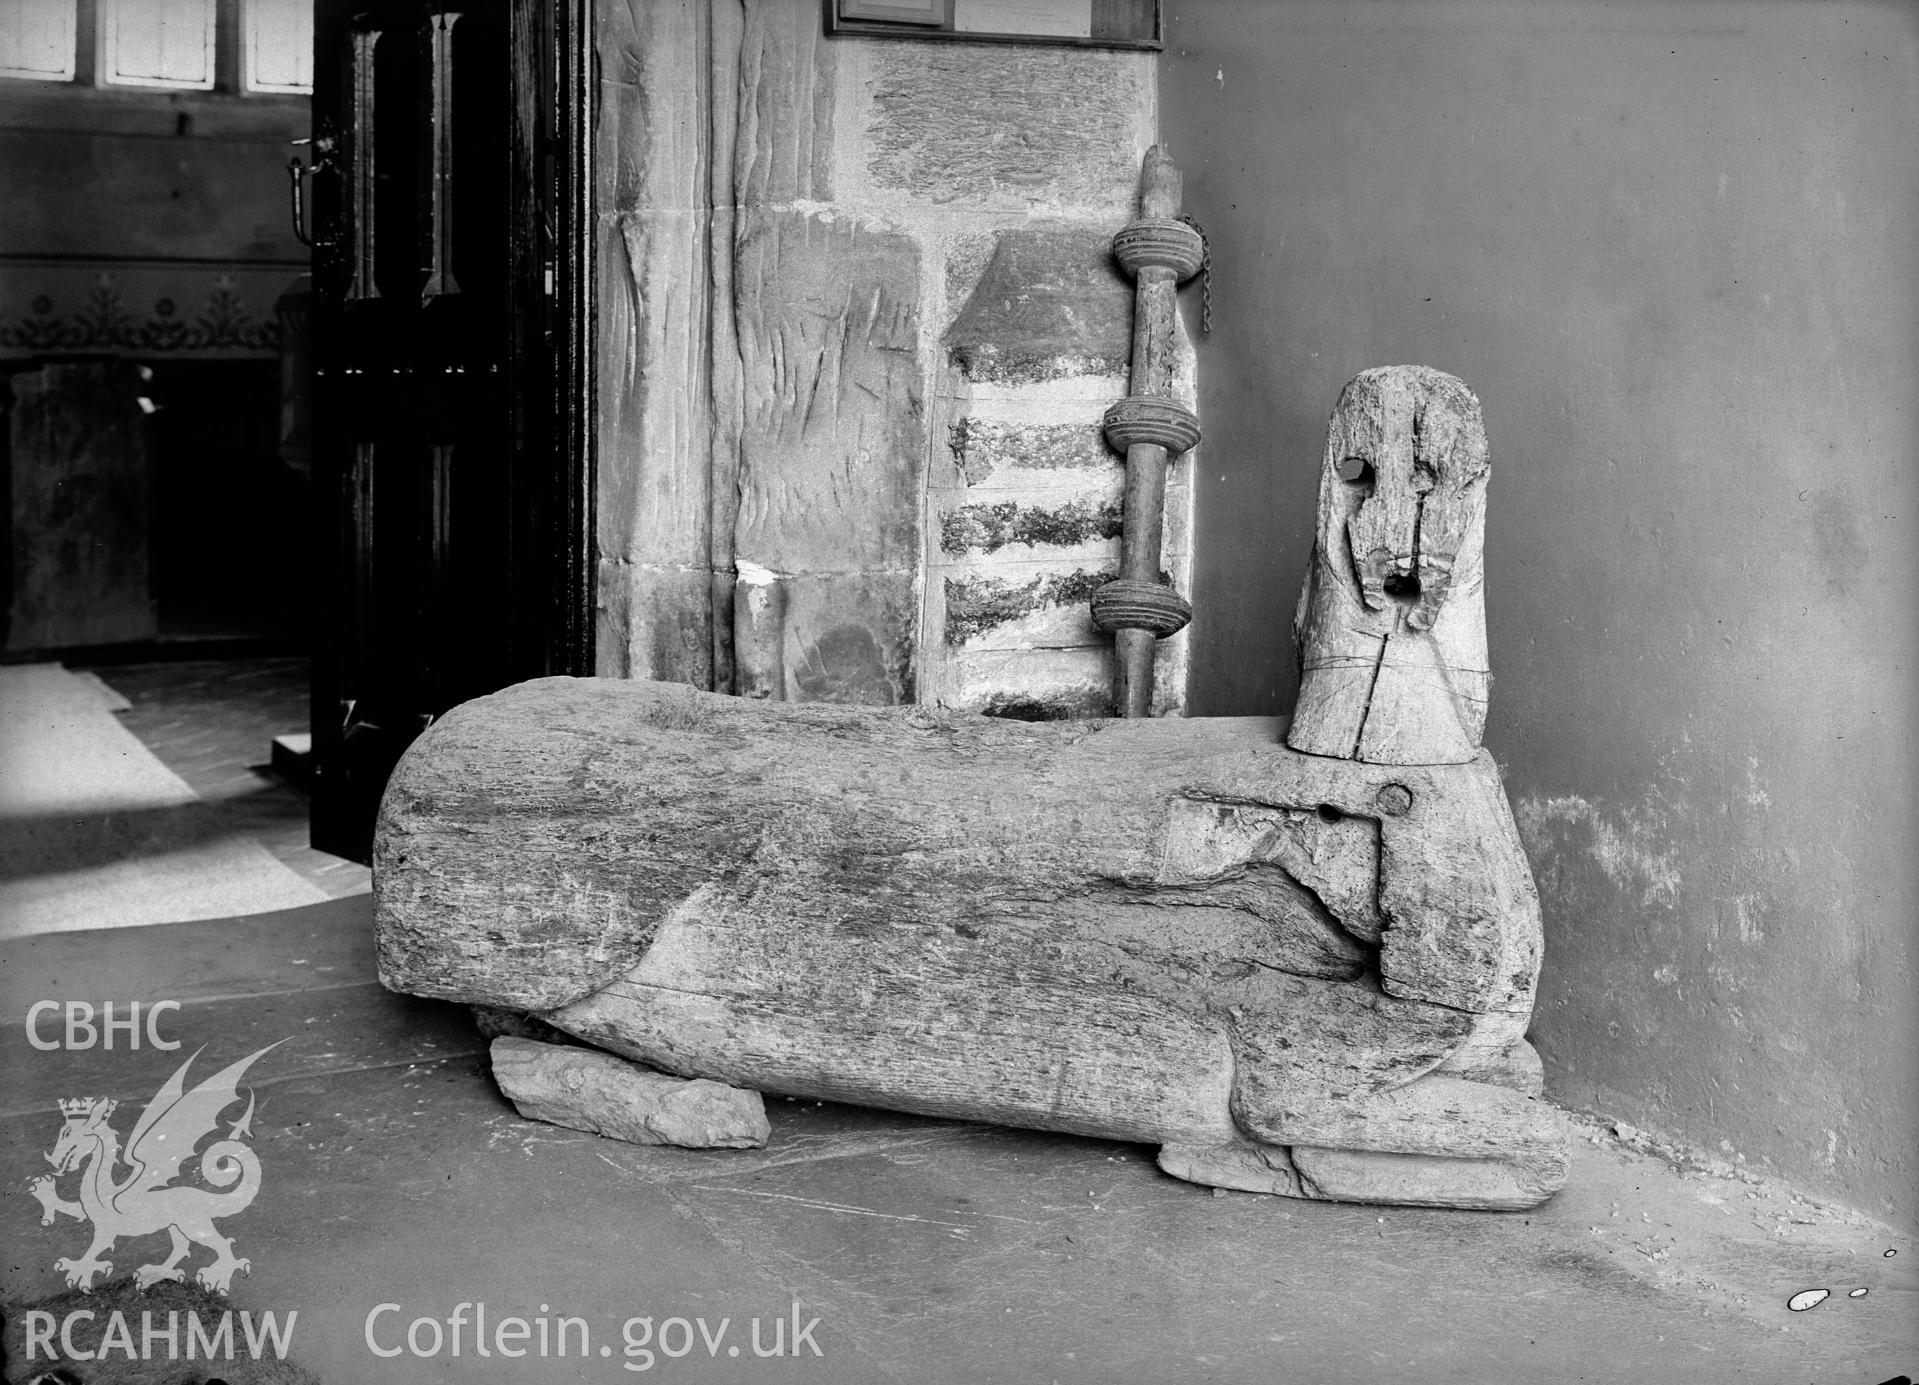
402 1200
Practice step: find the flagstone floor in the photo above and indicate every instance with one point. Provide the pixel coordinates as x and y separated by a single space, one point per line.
402 1204
212 722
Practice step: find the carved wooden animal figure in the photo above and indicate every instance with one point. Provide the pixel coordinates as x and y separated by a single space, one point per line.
1296 973
1392 620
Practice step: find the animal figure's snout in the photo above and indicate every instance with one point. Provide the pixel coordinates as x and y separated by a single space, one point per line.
1415 582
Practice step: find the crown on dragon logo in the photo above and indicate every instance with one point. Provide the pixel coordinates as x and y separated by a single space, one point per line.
147 1200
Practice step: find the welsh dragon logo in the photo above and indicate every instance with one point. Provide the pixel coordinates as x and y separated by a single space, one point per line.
146 1200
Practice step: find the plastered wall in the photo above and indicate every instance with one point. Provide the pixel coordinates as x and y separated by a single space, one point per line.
144 222
1672 246
139 224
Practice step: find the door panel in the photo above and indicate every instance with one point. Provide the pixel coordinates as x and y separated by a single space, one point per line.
450 216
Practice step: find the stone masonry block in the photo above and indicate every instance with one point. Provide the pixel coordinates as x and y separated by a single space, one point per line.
654 623
1007 126
981 447
978 604
990 526
1052 303
584 1089
1055 684
849 638
833 433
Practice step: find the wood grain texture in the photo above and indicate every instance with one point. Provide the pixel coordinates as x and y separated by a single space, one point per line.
943 1025
623 799
1155 356
1155 930
1392 621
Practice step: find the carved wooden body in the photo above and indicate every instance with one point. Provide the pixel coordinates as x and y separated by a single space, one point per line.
1298 973
1173 931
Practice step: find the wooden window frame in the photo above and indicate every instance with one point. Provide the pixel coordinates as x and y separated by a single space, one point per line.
73 45
104 77
89 63
241 50
1128 24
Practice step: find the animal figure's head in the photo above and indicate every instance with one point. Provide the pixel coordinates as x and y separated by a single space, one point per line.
1403 488
1391 623
86 1120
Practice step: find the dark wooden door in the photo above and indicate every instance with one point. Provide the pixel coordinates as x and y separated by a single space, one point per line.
450 459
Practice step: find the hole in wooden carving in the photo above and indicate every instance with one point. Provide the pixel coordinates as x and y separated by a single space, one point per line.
1328 813
1357 471
1395 800
1402 586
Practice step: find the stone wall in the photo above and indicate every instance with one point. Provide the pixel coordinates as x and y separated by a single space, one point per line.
858 325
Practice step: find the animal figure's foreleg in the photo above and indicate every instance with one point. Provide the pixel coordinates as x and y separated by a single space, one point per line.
82 1272
219 1275
149 1275
1337 1095
51 1203
1440 1142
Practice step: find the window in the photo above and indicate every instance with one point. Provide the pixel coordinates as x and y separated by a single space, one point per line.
263 46
157 43
1081 23
37 40
276 45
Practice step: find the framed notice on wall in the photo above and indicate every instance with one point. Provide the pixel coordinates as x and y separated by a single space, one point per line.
1087 23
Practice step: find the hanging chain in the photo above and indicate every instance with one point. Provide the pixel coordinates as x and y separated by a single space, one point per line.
1205 277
